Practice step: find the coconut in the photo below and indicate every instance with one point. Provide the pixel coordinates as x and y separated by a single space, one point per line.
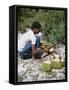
56 64
51 50
46 66
62 62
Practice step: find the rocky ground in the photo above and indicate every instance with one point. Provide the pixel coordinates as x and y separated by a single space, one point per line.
31 70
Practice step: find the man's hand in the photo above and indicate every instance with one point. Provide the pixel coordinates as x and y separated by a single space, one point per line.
46 49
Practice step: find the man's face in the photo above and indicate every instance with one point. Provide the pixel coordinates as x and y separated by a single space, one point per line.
36 31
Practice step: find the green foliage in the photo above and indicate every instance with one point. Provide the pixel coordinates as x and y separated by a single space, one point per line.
52 21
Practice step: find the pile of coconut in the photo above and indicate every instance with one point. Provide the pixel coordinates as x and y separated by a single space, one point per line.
55 62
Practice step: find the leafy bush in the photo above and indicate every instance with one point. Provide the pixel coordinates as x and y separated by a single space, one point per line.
52 22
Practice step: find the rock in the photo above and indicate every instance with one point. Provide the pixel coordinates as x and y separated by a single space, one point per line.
62 70
60 76
49 75
22 70
29 78
61 51
31 70
54 70
34 74
24 80
42 76
54 74
20 78
53 78
56 56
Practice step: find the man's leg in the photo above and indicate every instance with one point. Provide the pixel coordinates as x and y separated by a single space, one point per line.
37 42
28 47
27 51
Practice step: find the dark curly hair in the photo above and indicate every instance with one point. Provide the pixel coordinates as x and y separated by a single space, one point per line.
36 25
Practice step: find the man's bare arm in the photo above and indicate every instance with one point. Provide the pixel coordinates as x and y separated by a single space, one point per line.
33 51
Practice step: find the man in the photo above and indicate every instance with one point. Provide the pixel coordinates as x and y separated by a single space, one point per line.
29 43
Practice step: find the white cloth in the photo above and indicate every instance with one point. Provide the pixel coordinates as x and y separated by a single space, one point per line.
39 34
24 39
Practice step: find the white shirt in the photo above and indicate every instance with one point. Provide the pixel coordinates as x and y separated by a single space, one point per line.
24 39
39 34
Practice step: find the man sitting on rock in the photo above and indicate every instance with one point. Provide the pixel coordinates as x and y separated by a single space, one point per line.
29 43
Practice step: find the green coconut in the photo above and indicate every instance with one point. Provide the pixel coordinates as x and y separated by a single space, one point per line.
56 64
62 62
46 66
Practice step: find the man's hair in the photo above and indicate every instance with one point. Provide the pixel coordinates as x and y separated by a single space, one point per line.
36 25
